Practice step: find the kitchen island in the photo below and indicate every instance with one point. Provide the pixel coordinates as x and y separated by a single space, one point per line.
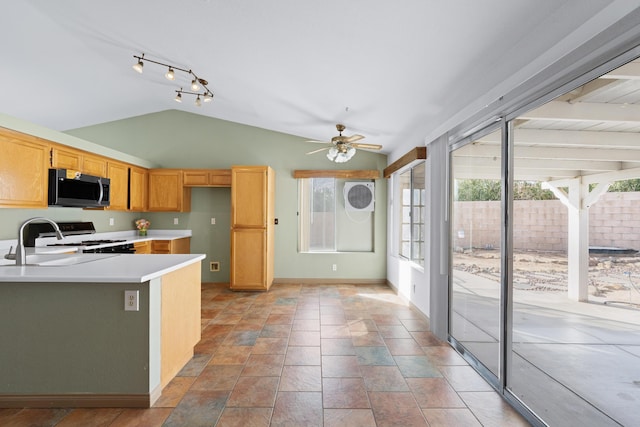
67 340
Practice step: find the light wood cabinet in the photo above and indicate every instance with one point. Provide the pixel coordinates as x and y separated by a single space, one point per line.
94 165
137 189
142 247
77 160
118 173
207 177
175 246
167 192
66 158
180 320
252 227
23 170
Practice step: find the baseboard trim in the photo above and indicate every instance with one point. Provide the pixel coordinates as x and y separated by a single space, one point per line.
316 281
79 400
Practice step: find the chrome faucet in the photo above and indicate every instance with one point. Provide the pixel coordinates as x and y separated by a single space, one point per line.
20 255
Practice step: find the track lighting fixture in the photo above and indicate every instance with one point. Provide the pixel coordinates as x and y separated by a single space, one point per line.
138 65
198 86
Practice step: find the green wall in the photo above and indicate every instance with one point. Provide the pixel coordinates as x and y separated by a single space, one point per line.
176 139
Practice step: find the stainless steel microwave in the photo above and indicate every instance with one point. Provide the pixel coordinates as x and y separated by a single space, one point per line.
75 189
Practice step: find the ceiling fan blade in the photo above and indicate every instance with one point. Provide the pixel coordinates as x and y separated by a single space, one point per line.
353 138
318 142
319 150
367 146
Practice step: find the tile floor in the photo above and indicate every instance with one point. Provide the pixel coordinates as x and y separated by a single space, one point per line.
312 355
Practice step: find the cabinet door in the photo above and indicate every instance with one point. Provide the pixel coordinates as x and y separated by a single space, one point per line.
166 192
196 178
23 170
118 173
175 246
94 165
249 196
137 189
142 247
161 246
220 178
64 158
248 254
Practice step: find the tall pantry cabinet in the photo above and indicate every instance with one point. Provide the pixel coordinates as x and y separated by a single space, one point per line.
252 227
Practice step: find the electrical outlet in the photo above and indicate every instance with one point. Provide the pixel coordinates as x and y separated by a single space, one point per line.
111 221
334 267
131 301
175 221
214 266
213 221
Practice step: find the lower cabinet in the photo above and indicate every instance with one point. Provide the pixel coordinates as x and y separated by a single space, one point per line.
248 252
175 246
142 247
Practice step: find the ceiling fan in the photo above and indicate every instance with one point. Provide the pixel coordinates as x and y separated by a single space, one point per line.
342 148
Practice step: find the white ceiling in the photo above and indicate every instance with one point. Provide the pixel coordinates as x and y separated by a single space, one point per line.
395 72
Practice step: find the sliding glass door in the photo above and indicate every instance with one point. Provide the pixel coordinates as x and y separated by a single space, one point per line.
476 252
545 254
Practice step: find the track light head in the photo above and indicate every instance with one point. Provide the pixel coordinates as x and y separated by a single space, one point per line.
138 66
208 97
198 102
170 75
194 85
178 97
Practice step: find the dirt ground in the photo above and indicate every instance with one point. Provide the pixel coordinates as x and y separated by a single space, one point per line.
613 279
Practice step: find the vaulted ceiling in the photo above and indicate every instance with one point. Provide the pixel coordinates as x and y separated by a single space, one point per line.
395 72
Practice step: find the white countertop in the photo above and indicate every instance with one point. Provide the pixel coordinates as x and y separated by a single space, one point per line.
95 268
99 268
126 237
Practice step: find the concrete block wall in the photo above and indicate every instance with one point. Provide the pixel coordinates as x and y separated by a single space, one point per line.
541 225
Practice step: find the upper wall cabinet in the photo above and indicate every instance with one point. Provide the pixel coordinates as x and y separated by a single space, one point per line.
167 192
66 158
23 170
207 177
138 178
77 160
118 173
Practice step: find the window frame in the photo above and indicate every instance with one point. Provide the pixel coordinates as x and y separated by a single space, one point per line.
416 241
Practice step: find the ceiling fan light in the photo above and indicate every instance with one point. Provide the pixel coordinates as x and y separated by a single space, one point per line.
170 75
138 66
350 153
332 153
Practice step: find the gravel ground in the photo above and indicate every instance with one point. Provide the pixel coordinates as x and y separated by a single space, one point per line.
613 279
